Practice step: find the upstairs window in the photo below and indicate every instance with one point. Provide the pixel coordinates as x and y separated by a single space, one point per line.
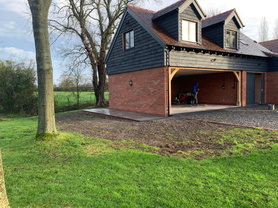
189 31
129 39
231 39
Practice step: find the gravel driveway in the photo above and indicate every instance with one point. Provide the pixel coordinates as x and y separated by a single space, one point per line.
258 116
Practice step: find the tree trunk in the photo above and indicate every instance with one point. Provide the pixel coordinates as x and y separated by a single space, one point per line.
95 82
46 113
100 99
78 95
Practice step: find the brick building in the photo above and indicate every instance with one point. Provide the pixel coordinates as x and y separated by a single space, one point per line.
155 56
272 77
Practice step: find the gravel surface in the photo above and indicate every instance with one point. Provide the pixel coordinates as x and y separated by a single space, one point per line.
258 116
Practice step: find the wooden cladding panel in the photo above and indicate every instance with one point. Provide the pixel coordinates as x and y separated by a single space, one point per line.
200 60
147 53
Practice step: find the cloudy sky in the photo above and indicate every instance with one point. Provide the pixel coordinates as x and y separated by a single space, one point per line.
16 40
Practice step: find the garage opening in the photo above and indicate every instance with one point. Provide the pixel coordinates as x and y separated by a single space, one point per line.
217 89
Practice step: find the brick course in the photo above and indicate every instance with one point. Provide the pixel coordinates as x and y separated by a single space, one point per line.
148 94
272 88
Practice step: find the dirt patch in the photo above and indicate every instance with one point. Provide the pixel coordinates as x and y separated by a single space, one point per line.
178 136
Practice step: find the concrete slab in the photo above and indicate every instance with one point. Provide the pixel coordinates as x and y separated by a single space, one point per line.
122 114
179 109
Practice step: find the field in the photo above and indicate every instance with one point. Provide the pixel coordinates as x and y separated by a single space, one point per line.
65 99
74 170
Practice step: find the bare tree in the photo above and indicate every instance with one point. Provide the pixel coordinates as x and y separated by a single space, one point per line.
275 35
93 22
263 30
76 72
66 82
46 114
212 12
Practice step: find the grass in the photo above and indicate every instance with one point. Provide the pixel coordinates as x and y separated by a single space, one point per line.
61 103
75 171
61 98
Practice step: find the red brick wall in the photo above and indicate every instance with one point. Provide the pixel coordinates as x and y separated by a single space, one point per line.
272 88
147 95
210 85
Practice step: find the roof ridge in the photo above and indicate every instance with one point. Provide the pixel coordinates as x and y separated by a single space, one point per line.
269 41
219 14
136 7
170 6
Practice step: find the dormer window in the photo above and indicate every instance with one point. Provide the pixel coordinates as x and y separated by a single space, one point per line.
129 39
231 39
189 31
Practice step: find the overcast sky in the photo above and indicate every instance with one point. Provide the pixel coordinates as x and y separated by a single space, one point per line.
16 40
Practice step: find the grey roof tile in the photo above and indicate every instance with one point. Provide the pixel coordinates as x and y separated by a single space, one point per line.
168 9
216 19
272 45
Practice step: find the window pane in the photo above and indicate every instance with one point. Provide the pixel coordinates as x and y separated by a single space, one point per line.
131 39
228 39
233 39
185 32
127 41
192 31
189 31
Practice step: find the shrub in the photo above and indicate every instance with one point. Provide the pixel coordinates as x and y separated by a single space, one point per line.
17 88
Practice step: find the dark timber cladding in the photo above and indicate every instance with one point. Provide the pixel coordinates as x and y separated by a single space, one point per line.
169 23
215 33
273 64
200 60
190 13
145 54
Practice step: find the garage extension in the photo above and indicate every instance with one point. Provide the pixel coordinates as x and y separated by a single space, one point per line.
155 56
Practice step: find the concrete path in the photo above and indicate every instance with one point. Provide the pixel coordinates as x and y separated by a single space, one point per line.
179 109
122 114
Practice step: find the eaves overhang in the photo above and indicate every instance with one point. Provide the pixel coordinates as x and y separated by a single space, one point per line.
215 52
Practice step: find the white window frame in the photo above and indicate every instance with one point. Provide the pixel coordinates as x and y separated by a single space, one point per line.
128 39
187 33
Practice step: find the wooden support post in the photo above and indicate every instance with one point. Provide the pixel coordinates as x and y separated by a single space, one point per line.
170 90
238 76
171 75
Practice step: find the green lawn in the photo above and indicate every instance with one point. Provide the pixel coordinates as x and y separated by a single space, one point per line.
61 98
75 171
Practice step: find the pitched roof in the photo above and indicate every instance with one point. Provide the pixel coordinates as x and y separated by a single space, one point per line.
168 9
249 48
217 18
271 45
146 16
